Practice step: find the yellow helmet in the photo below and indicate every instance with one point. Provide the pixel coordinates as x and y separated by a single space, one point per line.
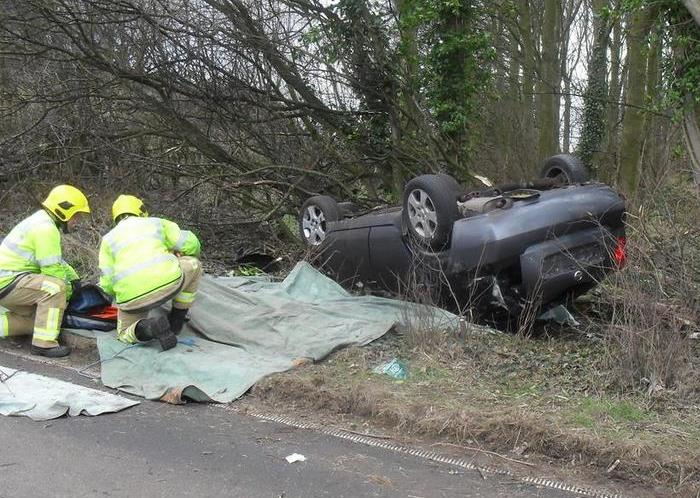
64 201
128 204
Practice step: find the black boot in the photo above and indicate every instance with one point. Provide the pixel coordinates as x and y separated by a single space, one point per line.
54 352
177 319
156 328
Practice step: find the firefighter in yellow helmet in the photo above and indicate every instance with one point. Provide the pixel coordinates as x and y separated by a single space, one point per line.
35 281
145 262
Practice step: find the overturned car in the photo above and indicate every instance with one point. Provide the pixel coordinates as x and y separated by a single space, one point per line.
498 252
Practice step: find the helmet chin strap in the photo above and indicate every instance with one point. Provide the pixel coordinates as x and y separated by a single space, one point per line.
124 216
62 225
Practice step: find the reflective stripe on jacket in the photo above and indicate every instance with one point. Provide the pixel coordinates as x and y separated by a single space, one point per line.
34 246
136 256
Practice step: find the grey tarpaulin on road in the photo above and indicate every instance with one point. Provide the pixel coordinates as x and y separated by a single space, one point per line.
249 328
44 398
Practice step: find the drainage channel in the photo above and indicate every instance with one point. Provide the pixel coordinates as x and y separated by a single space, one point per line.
428 455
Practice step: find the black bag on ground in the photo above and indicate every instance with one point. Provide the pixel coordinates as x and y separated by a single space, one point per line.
90 308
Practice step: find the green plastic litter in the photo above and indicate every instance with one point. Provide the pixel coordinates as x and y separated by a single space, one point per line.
395 369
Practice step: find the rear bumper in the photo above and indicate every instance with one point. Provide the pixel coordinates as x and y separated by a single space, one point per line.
500 237
557 267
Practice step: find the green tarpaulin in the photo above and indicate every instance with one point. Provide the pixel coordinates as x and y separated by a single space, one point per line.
24 394
243 329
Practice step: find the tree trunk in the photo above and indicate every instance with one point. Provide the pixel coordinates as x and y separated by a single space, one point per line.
548 85
691 133
407 116
596 91
691 130
566 148
566 20
693 7
651 98
613 115
510 122
633 121
529 53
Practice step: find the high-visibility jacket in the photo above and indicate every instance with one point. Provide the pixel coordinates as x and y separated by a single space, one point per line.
137 256
34 246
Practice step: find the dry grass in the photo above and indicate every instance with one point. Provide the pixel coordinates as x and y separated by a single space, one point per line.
653 306
426 285
525 398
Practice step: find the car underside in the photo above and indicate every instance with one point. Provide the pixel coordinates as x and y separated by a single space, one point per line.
499 253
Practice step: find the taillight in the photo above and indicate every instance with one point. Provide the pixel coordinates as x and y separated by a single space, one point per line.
620 254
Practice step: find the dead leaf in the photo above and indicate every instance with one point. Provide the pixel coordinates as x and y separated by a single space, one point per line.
173 396
381 480
298 362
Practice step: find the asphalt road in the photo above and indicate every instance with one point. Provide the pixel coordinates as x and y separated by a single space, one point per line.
201 450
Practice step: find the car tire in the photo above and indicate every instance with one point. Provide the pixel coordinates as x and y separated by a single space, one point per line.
451 180
315 213
429 210
569 169
347 209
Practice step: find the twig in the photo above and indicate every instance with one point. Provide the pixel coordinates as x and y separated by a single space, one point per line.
613 466
493 453
4 378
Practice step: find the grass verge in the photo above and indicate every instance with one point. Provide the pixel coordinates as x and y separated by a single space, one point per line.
545 399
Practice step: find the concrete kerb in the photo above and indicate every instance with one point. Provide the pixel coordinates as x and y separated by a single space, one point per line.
83 342
80 340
